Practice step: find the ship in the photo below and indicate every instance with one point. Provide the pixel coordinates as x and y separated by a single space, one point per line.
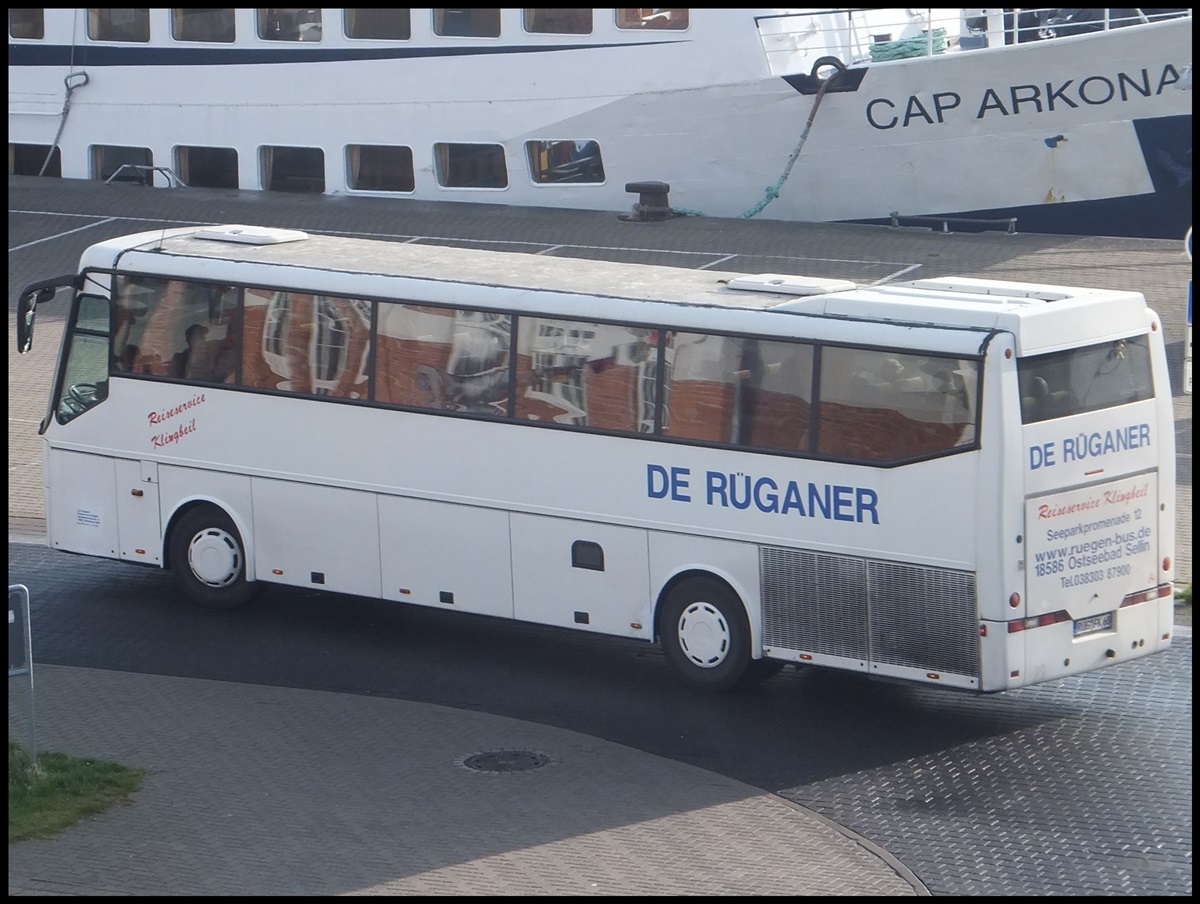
1074 121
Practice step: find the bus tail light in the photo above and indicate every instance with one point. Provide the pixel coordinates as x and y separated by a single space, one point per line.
1015 600
1144 596
1166 563
1038 621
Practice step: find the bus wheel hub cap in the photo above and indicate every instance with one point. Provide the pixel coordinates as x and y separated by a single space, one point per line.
704 635
214 557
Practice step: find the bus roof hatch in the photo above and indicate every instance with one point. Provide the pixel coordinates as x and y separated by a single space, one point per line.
251 235
783 284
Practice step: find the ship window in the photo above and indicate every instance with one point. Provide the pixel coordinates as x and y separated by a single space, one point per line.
289 24
652 18
293 169
29 159
471 165
207 167
215 25
372 167
467 23
565 161
26 23
382 24
559 21
119 25
124 163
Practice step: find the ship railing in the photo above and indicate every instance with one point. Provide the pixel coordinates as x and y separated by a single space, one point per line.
794 41
141 174
943 224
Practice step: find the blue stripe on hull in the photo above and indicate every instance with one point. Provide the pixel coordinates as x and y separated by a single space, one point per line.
1149 216
97 55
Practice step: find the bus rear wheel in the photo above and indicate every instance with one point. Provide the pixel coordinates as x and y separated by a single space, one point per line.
705 635
209 559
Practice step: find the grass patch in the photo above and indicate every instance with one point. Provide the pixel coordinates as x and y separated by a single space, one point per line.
1184 595
60 791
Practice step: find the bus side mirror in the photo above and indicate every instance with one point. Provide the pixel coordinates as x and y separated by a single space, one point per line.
27 308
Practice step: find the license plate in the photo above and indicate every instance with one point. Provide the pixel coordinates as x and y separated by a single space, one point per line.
1094 623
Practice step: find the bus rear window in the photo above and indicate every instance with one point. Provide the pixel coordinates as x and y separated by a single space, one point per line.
1085 379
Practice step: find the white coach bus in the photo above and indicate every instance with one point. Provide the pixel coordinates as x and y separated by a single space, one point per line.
956 481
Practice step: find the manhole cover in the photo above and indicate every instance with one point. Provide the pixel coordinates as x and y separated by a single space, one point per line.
506 761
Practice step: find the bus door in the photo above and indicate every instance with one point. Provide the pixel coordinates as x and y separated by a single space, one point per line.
95 504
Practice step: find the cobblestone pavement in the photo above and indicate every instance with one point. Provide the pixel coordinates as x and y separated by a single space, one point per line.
255 790
1089 793
1081 786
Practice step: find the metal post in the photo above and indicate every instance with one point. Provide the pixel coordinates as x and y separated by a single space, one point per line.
20 654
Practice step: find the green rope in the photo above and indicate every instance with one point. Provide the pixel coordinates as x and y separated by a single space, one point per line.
772 191
909 47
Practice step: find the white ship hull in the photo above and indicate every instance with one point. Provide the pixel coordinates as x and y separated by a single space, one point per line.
1086 133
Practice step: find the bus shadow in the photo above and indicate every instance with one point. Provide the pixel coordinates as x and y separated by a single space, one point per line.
799 727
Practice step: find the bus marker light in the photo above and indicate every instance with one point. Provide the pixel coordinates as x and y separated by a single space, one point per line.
1015 673
405 591
983 630
276 571
1166 563
806 657
1015 600
140 552
933 676
135 492
635 626
1158 592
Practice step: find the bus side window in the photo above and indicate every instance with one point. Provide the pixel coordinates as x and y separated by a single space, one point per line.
583 374
885 406
775 402
443 358
745 392
699 404
142 322
173 328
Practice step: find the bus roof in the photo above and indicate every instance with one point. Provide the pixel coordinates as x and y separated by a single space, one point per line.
1041 318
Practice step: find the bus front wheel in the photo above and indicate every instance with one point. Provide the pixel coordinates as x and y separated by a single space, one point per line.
705 635
209 559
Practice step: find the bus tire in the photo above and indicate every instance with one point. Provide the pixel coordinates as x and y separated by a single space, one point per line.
209 559
705 634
